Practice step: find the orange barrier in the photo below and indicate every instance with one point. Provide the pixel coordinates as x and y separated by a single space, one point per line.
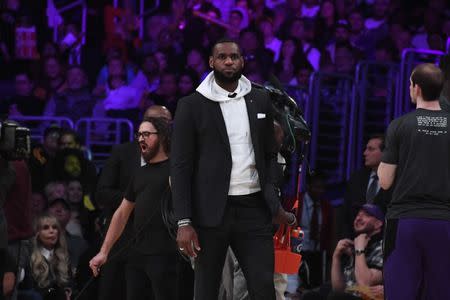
286 261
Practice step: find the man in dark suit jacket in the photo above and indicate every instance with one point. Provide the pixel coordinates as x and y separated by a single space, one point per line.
125 159
363 186
223 165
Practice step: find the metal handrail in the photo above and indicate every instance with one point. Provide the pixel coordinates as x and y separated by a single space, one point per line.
68 7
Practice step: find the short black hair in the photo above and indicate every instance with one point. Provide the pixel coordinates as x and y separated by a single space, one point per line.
68 131
163 128
53 128
378 136
223 41
430 79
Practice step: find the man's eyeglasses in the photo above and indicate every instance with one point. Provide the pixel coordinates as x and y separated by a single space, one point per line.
144 134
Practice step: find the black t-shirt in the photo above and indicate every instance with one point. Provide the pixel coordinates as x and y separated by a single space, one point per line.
147 188
419 144
444 103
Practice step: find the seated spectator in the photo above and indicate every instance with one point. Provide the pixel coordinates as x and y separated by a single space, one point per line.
76 101
271 42
291 57
315 218
188 81
82 220
122 101
301 75
304 31
345 58
237 20
76 246
147 79
41 155
341 35
379 16
198 61
115 66
357 264
49 261
54 79
166 94
54 190
70 164
24 102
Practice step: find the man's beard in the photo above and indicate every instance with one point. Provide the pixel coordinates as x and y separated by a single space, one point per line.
221 77
150 153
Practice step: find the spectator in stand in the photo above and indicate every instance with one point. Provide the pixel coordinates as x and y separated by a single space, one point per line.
271 42
49 267
341 35
357 28
325 22
344 7
40 156
60 209
69 163
163 61
76 101
302 74
75 200
153 26
166 94
54 79
115 65
197 61
291 58
188 81
24 102
345 58
238 20
122 101
54 190
50 49
38 204
315 218
303 30
147 78
402 39
357 264
256 56
379 15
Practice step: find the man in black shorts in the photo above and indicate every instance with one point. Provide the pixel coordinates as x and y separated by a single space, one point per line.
155 250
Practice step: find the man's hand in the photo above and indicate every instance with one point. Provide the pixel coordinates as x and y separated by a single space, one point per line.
96 262
187 240
284 217
377 291
344 246
361 241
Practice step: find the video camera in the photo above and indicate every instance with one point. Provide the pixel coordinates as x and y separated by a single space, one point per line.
287 114
14 141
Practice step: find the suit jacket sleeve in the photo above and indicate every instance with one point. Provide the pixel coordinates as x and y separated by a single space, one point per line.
108 193
182 160
271 190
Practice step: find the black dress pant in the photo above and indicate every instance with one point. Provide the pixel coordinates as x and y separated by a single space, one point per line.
156 271
247 228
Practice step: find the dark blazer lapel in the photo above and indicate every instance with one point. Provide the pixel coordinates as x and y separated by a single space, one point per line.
216 114
252 114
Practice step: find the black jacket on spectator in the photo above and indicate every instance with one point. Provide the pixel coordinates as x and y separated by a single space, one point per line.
355 197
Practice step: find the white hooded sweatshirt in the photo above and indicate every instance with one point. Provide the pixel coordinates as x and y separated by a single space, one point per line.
244 178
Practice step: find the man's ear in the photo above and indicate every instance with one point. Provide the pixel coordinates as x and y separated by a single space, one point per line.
211 60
